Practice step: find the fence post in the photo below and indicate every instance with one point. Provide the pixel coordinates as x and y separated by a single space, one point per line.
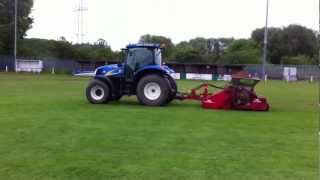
52 70
7 69
311 79
265 77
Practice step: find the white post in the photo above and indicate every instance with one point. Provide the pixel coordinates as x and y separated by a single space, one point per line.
7 69
311 79
266 77
287 79
52 71
265 43
15 33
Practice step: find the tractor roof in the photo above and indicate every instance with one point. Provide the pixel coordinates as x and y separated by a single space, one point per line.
130 46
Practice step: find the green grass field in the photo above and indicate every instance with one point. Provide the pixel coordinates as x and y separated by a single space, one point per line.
49 131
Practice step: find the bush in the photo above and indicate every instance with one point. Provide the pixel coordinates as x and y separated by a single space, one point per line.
241 57
298 60
187 55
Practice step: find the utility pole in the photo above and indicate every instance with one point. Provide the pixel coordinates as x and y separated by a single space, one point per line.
15 34
265 44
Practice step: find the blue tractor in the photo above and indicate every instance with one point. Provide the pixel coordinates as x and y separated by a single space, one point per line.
141 73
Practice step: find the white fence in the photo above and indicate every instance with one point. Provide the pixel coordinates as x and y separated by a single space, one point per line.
303 72
29 66
192 76
204 77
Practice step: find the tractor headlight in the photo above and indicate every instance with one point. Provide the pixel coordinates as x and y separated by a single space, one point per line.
110 73
113 72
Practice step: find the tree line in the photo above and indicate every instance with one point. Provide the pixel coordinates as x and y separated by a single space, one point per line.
293 44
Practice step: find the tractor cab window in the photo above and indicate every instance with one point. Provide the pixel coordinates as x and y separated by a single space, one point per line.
140 57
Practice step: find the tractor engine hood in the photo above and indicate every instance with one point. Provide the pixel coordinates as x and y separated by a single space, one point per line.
109 70
117 69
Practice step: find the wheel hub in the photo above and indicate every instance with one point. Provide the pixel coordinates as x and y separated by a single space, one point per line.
97 93
152 91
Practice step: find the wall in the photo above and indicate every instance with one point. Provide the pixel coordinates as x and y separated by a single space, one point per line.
6 61
276 71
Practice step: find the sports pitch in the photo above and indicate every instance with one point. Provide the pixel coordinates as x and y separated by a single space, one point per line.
49 131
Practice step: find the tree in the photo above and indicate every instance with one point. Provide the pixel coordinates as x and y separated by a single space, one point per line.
298 60
101 43
63 50
7 25
62 38
102 54
167 52
43 49
241 57
201 45
242 44
300 41
187 54
202 50
293 40
241 51
36 48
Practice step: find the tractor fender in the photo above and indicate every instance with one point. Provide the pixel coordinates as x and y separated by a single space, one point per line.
147 71
173 84
107 81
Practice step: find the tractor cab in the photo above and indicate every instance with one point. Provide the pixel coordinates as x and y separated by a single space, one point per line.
138 57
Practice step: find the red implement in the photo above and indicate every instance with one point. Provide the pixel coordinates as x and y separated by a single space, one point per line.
239 95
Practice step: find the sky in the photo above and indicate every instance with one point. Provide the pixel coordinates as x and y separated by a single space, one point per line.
121 22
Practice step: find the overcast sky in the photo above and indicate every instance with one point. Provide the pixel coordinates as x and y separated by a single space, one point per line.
120 22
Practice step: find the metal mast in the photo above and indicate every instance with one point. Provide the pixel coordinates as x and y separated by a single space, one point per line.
319 93
15 34
80 22
265 44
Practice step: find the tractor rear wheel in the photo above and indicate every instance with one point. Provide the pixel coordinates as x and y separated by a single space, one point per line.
97 92
153 90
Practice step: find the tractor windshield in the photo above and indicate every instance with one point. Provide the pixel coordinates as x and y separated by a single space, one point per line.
157 57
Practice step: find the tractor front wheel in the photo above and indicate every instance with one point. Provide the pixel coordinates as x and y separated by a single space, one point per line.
97 92
153 90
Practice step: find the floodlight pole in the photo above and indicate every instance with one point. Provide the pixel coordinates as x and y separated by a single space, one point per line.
265 44
15 34
319 92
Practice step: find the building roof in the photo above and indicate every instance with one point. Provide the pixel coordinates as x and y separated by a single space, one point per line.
143 46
